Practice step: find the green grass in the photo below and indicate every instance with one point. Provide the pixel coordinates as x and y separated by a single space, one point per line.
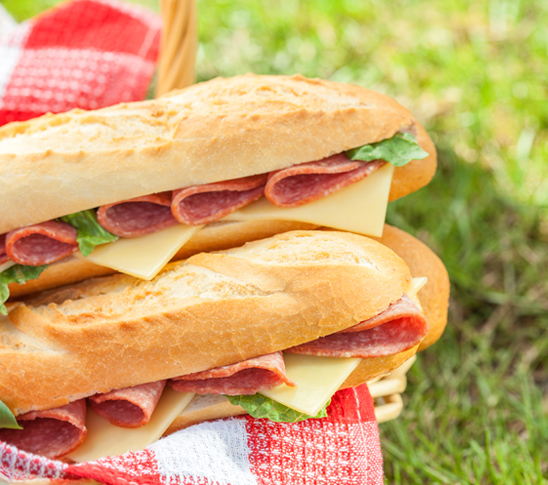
476 75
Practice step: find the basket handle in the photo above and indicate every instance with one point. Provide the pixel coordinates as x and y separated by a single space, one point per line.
176 64
390 409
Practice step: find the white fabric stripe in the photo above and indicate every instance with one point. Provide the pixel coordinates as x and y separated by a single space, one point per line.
9 56
6 21
11 50
147 43
208 452
20 465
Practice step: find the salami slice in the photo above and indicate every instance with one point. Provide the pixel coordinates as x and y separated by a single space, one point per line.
3 255
201 204
300 184
52 433
247 377
131 407
400 327
42 243
137 217
404 307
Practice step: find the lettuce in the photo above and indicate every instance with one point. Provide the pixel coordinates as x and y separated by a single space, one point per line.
16 274
398 150
260 406
90 233
7 419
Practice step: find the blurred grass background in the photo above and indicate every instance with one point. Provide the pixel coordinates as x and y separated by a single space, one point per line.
476 75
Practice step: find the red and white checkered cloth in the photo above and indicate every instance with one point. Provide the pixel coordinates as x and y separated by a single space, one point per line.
94 53
340 449
86 54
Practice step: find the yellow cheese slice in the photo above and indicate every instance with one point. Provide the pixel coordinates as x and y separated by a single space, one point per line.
360 207
6 265
416 285
105 439
317 379
143 257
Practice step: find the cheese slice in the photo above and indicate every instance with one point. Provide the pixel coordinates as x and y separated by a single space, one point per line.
105 439
143 257
317 379
6 265
416 285
360 207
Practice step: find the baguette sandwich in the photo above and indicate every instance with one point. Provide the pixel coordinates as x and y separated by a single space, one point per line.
223 323
208 167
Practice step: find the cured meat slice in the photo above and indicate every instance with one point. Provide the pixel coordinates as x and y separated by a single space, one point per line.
404 307
137 217
300 184
201 204
3 255
42 243
131 407
400 327
51 433
247 377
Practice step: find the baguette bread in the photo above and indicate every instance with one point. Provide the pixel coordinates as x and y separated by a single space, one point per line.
213 131
212 310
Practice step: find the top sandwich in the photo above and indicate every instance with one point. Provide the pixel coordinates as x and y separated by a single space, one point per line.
238 133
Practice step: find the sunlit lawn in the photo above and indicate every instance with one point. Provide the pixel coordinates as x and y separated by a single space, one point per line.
476 75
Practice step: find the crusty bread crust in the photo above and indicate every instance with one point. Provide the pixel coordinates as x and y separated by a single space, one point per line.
217 130
212 310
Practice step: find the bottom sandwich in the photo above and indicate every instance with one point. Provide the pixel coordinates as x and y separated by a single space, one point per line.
258 324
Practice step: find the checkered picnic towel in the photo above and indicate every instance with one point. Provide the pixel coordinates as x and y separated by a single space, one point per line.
86 54
94 53
340 449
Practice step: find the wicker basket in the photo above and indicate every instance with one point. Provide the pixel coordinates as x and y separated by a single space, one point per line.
387 392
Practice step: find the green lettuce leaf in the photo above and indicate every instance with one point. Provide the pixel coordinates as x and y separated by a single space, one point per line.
90 233
398 150
16 274
260 406
7 419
